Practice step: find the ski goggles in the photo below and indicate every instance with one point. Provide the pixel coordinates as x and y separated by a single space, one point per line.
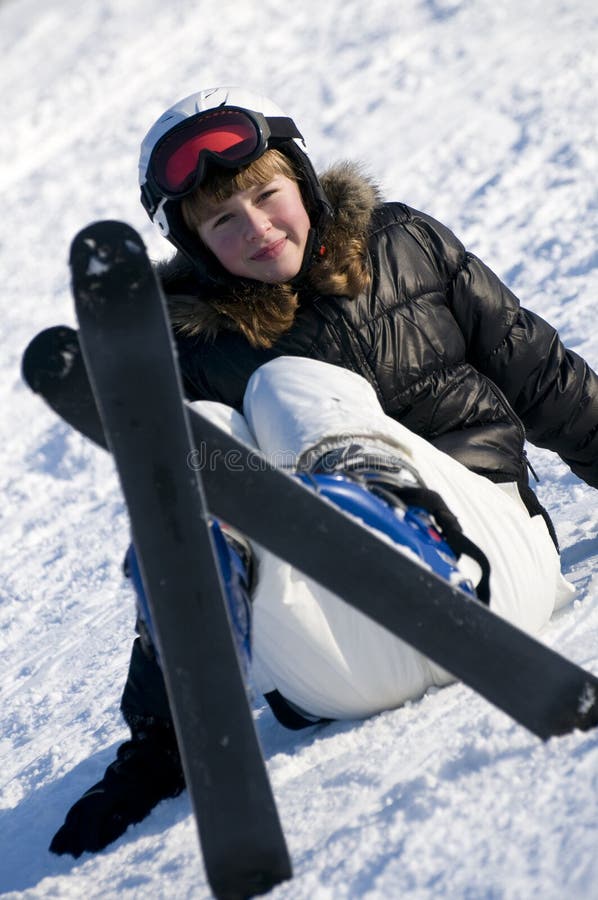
230 137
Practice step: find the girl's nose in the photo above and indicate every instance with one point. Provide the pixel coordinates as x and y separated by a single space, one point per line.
256 224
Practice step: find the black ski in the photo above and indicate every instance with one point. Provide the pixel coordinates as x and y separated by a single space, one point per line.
537 687
128 351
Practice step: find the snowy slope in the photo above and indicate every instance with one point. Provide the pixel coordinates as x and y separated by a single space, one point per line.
482 112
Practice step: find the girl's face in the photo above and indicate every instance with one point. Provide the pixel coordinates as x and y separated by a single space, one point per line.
259 233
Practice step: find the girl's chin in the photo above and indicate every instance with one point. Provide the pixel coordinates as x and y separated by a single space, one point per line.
277 277
277 272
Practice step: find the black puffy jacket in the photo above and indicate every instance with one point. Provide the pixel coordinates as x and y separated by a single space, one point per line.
447 347
445 344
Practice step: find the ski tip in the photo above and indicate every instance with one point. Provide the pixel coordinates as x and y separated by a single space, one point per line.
98 247
48 356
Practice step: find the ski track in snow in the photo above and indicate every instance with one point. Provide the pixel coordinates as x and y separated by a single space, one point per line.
482 113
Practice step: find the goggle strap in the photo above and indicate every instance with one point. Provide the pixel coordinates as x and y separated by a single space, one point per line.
283 128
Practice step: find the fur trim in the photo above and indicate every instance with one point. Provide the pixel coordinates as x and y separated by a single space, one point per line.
344 268
353 197
262 312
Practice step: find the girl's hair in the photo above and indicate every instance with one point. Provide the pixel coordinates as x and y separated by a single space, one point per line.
196 206
341 270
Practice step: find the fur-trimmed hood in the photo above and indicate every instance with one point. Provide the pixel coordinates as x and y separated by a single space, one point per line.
265 311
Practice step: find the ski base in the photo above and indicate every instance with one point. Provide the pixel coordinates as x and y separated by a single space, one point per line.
128 352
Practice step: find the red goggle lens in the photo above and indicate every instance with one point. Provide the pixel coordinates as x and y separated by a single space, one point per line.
228 135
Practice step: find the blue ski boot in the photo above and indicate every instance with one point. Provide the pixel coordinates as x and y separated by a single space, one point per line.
234 558
387 494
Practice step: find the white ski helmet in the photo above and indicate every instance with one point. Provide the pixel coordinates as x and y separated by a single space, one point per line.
226 128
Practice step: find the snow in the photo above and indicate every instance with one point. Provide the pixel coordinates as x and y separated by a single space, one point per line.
484 114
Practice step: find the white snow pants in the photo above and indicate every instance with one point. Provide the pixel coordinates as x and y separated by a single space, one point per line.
321 654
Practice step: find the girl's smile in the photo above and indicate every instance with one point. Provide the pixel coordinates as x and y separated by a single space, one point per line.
271 251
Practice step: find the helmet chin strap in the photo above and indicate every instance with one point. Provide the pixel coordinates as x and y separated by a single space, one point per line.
313 249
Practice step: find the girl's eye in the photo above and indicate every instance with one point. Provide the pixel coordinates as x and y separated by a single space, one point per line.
267 193
221 220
